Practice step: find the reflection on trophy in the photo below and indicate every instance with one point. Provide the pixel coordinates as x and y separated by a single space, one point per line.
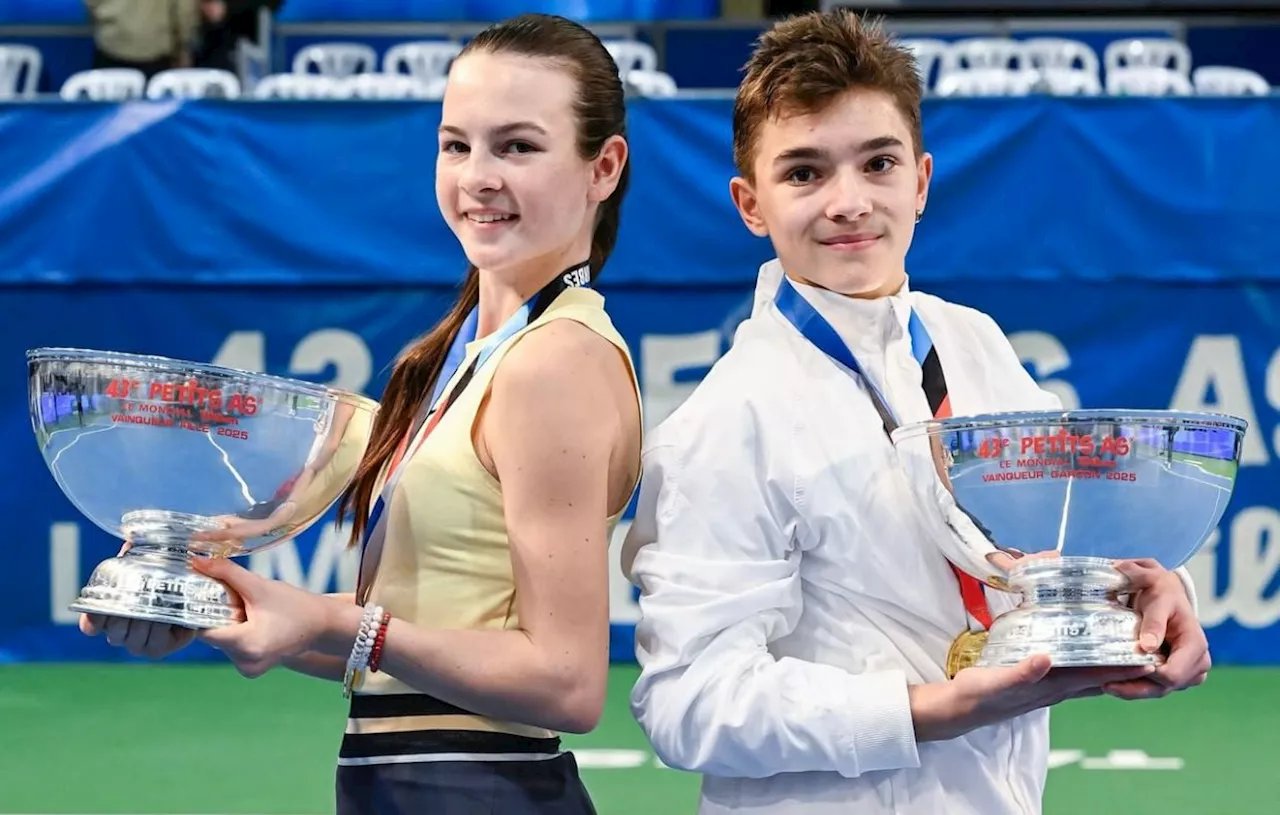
1043 503
183 459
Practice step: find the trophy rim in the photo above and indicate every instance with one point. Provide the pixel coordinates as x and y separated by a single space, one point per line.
158 361
1024 418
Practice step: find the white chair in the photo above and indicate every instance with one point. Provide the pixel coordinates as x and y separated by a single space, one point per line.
631 55
19 71
1223 80
1147 81
985 82
1148 53
655 84
105 85
339 59
1064 67
392 86
983 52
1068 82
299 86
423 61
928 55
194 83
1060 53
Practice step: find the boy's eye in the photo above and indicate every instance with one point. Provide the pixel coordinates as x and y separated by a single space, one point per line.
882 164
801 175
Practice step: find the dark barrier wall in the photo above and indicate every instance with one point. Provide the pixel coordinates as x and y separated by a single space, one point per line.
1130 248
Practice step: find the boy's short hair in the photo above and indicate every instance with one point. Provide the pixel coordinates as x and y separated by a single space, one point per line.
803 63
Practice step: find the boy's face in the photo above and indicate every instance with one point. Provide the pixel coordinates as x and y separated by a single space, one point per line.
837 192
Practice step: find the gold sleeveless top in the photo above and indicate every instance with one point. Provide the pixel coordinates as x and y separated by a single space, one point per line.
446 563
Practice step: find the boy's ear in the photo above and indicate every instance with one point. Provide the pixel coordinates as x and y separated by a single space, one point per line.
748 204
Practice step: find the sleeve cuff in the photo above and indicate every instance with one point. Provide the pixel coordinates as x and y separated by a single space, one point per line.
879 733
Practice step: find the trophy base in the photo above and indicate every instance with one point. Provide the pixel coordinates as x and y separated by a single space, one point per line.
156 584
1070 612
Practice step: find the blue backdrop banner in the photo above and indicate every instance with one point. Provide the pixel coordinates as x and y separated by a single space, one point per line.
303 240
328 193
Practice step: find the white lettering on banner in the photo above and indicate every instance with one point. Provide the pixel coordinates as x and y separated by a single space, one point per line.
1253 550
333 566
1216 362
1271 387
346 352
1253 553
1212 378
343 351
1046 355
661 357
245 350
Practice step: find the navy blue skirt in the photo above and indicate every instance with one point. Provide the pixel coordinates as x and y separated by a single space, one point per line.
528 787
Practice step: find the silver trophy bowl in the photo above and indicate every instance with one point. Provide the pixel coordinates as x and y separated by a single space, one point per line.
181 460
1043 503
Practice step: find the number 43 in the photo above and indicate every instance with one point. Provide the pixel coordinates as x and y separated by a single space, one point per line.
334 350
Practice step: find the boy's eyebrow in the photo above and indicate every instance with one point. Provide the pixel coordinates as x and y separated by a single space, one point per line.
809 153
880 143
800 153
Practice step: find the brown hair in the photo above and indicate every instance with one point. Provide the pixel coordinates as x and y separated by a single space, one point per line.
803 63
600 111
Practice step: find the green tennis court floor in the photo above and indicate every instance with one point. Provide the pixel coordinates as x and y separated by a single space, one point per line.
200 740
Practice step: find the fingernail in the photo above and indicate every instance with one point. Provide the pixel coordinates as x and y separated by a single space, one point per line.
1148 642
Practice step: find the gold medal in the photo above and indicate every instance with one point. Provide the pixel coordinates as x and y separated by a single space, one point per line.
965 651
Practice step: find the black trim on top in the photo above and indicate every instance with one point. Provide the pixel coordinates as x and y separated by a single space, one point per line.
426 740
379 706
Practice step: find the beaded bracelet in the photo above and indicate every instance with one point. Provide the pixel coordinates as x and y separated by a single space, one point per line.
361 649
380 639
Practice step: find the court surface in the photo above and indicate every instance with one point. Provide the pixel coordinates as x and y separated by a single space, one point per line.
200 740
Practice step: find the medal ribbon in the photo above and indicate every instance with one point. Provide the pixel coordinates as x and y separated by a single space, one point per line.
935 391
815 328
432 411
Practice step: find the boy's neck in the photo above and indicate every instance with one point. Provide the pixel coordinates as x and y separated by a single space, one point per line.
894 285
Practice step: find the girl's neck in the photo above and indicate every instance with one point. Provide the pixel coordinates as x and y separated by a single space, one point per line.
501 295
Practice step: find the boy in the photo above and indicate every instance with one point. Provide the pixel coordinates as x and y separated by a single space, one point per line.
797 611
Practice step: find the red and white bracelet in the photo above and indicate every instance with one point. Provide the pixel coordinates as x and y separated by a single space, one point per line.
366 652
379 640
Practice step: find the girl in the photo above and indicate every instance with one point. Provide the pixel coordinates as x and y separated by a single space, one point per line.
505 451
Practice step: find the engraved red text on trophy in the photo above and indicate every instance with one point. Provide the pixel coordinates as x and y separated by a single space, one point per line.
1057 455
183 405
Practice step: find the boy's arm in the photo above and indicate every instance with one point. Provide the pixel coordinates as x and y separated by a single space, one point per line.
713 548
